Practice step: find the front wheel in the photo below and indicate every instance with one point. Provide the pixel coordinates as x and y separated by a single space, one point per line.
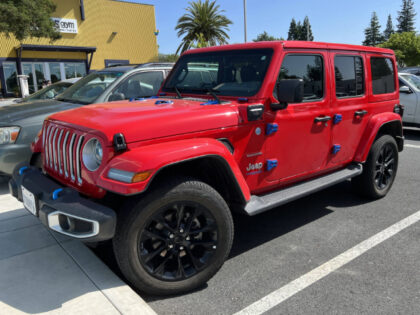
174 239
379 170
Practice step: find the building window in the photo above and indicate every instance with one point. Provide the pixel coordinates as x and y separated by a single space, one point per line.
383 78
10 77
74 70
349 77
55 71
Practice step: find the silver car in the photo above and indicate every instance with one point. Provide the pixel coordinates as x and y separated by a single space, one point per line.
410 98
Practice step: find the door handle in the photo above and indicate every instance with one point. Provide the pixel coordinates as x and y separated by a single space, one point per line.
360 113
322 119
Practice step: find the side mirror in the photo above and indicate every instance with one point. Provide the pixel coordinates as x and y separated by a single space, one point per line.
405 89
288 91
116 97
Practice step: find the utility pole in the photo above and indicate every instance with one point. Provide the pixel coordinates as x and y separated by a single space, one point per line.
245 19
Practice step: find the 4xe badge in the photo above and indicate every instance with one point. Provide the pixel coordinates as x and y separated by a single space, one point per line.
254 168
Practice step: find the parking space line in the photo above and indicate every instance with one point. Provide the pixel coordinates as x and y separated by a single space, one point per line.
276 297
412 146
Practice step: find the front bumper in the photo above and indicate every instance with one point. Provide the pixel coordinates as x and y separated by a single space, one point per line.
13 154
62 209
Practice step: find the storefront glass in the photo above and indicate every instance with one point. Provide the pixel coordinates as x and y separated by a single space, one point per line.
10 77
55 71
74 70
27 69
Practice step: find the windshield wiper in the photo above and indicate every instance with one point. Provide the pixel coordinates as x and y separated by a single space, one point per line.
213 92
178 93
69 100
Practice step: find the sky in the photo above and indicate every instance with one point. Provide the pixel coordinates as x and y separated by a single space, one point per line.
336 21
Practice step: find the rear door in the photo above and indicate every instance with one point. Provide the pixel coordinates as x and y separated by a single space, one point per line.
410 101
302 141
349 104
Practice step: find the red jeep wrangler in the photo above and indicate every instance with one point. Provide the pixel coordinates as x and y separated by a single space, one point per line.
242 128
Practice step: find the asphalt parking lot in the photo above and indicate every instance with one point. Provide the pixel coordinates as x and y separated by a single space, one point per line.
275 248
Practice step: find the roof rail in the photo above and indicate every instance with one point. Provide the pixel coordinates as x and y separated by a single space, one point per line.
124 64
155 64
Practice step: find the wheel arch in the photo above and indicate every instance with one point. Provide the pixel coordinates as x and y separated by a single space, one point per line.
381 124
211 169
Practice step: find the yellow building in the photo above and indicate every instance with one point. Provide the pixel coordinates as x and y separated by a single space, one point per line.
95 34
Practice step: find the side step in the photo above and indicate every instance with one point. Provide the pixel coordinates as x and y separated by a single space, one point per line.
259 204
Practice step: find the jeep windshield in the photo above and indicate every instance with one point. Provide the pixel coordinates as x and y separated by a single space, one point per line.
227 73
88 89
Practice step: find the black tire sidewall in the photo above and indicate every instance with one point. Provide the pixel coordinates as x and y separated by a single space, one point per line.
129 230
371 163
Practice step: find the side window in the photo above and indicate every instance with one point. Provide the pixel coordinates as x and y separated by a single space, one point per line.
349 76
383 79
143 84
310 68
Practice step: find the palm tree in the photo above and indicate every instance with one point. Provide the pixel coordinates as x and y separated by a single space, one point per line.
203 25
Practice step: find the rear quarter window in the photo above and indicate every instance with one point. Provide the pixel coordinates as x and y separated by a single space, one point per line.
383 76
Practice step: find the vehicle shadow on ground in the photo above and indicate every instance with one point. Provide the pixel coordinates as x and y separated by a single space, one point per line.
4 188
251 232
412 134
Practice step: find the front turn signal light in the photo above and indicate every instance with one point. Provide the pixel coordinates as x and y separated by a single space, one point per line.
139 177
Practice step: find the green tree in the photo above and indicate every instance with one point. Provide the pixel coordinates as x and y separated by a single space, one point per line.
406 17
203 24
293 31
389 29
306 30
168 57
406 46
373 36
265 37
28 18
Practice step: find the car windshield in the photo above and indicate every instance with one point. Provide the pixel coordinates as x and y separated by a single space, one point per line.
413 80
228 73
88 89
48 92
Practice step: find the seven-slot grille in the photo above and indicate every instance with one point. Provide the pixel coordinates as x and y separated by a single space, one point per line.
62 148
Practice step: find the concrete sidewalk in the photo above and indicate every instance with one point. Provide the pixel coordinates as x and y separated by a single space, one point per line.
44 272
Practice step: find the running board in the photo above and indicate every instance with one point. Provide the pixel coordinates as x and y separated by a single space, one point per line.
259 204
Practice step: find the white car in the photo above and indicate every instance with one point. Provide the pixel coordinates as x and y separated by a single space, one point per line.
410 98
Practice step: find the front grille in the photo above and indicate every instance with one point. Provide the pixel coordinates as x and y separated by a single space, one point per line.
62 148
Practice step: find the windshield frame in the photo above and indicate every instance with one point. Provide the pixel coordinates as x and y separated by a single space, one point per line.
268 51
82 82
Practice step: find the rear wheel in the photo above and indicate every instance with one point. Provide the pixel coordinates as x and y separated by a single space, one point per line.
380 169
174 239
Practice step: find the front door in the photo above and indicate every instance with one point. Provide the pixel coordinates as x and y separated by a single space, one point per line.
302 141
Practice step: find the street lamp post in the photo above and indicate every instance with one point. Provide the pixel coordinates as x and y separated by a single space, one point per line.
245 19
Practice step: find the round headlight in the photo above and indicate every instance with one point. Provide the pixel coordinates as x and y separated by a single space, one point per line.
92 154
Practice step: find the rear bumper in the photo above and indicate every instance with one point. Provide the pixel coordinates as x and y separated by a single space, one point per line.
64 211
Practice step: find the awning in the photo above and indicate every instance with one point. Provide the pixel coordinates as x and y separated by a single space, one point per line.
87 50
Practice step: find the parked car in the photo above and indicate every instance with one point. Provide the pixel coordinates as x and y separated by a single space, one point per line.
412 70
410 98
245 128
20 123
49 92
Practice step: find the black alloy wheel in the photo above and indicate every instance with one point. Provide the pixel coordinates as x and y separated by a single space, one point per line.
384 167
174 238
379 170
178 241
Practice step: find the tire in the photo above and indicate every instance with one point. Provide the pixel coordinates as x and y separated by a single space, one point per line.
380 169
182 223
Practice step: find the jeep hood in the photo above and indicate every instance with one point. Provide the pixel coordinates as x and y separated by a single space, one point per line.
144 120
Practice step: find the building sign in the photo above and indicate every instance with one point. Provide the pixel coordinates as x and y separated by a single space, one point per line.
65 25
